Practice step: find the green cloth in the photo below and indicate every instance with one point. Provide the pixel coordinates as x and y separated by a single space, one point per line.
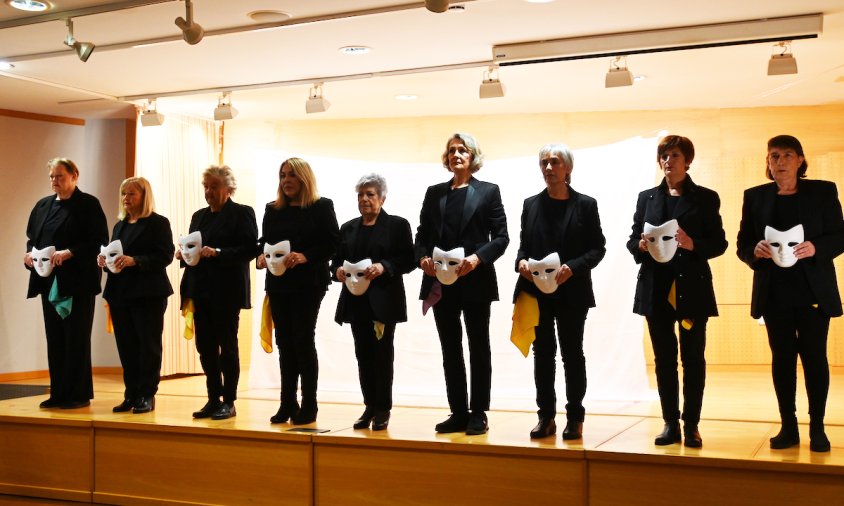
63 305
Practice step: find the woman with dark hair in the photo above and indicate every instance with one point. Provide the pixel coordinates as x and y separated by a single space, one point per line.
136 290
218 284
681 222
299 215
70 224
468 214
377 249
791 230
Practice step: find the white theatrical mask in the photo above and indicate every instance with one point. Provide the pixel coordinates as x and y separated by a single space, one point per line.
356 280
111 252
783 243
544 272
41 260
274 255
446 262
190 246
661 240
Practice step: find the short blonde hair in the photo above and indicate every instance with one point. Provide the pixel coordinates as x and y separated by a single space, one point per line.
302 170
148 205
224 173
473 147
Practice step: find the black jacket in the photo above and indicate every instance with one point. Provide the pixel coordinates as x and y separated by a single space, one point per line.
150 242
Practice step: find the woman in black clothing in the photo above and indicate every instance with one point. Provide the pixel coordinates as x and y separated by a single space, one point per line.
796 301
137 293
678 291
301 216
386 242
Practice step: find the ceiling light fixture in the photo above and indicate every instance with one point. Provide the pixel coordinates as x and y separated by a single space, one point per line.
83 49
4 65
355 50
436 5
618 75
29 5
491 87
224 110
783 63
192 32
316 102
151 116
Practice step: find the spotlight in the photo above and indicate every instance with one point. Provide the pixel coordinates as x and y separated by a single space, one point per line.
783 63
151 116
192 32
491 87
316 102
436 5
618 74
225 110
83 49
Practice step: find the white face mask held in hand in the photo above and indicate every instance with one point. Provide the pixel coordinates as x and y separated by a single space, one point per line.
783 243
41 260
446 262
274 255
190 246
111 252
544 272
662 240
356 280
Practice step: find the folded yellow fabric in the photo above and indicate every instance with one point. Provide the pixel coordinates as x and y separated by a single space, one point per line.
187 311
525 320
672 299
379 329
109 323
266 331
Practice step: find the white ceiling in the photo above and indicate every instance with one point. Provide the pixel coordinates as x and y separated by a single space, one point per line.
403 38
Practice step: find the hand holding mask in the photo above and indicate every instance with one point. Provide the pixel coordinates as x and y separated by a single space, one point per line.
41 260
190 247
544 272
783 243
661 240
356 280
274 255
112 252
445 263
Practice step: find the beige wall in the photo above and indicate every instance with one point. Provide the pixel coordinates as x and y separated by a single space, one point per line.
730 147
98 148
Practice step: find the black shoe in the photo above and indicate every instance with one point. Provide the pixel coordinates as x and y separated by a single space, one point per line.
284 413
477 424
226 410
670 434
74 404
692 437
207 410
381 420
786 438
818 442
364 419
456 422
304 416
573 430
50 403
144 405
124 406
544 428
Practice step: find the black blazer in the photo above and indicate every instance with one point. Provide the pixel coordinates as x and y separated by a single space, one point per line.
820 215
311 231
83 230
391 245
224 277
581 246
483 231
150 242
697 213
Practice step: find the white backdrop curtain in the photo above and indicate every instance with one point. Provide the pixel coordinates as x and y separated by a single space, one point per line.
613 174
172 157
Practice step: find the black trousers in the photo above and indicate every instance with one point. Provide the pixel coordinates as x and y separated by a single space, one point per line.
69 349
661 325
375 364
138 325
570 324
216 323
295 317
799 331
476 317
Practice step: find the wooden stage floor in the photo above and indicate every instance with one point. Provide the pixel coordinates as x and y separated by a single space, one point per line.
164 457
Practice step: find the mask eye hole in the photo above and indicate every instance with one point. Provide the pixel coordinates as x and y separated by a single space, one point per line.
651 239
775 244
793 244
360 274
535 273
549 270
667 237
279 255
348 274
190 245
452 263
112 255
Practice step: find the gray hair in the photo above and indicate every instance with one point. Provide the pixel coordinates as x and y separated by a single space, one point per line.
473 147
225 173
563 152
375 180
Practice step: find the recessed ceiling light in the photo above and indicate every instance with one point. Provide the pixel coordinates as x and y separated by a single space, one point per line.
355 49
269 16
29 5
639 77
456 8
406 97
4 65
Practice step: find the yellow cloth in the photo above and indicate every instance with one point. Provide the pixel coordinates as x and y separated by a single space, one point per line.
672 299
525 320
266 331
187 311
379 329
109 323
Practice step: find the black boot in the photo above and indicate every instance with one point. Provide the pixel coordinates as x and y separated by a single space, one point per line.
818 442
788 435
670 434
